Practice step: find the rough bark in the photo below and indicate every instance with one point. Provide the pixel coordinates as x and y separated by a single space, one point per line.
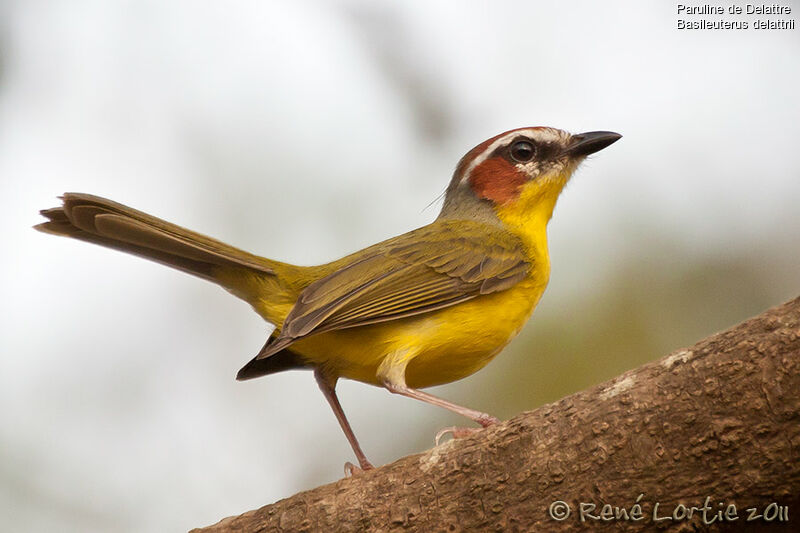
719 420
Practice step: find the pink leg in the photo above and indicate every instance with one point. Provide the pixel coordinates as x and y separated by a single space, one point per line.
328 388
483 419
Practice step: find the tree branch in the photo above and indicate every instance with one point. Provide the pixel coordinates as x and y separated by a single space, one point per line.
719 420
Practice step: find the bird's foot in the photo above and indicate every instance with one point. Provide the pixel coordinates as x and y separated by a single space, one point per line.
455 432
351 470
460 432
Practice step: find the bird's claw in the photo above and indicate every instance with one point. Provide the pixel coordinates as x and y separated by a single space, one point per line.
351 470
456 432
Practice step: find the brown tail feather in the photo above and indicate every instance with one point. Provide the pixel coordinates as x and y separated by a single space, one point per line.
101 221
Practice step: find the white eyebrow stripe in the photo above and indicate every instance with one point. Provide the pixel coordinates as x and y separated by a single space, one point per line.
543 134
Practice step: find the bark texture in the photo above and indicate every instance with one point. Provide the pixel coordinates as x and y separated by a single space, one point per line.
719 420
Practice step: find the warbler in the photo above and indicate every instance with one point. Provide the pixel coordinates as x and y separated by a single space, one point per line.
431 306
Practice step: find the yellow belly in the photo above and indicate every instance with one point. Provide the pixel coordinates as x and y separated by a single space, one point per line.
439 347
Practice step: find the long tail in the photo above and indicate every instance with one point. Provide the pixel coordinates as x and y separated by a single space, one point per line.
262 282
101 221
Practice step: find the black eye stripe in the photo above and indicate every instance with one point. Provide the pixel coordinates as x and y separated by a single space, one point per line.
506 151
547 151
544 151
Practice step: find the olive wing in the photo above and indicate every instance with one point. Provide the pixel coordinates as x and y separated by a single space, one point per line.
428 269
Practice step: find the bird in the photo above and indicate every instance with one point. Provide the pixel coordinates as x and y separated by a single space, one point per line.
424 308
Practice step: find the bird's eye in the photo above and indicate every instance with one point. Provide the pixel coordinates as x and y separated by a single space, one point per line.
522 151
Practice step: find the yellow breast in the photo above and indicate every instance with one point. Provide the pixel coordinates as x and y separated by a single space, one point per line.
438 347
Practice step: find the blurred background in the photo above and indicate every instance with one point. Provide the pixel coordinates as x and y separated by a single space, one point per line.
306 130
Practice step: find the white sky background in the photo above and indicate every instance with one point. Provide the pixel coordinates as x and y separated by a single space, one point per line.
304 131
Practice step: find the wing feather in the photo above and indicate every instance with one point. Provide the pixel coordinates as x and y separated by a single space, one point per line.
427 269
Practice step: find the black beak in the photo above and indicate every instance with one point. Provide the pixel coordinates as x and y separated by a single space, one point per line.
584 144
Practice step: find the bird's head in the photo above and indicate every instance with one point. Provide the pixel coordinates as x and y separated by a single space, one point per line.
518 175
